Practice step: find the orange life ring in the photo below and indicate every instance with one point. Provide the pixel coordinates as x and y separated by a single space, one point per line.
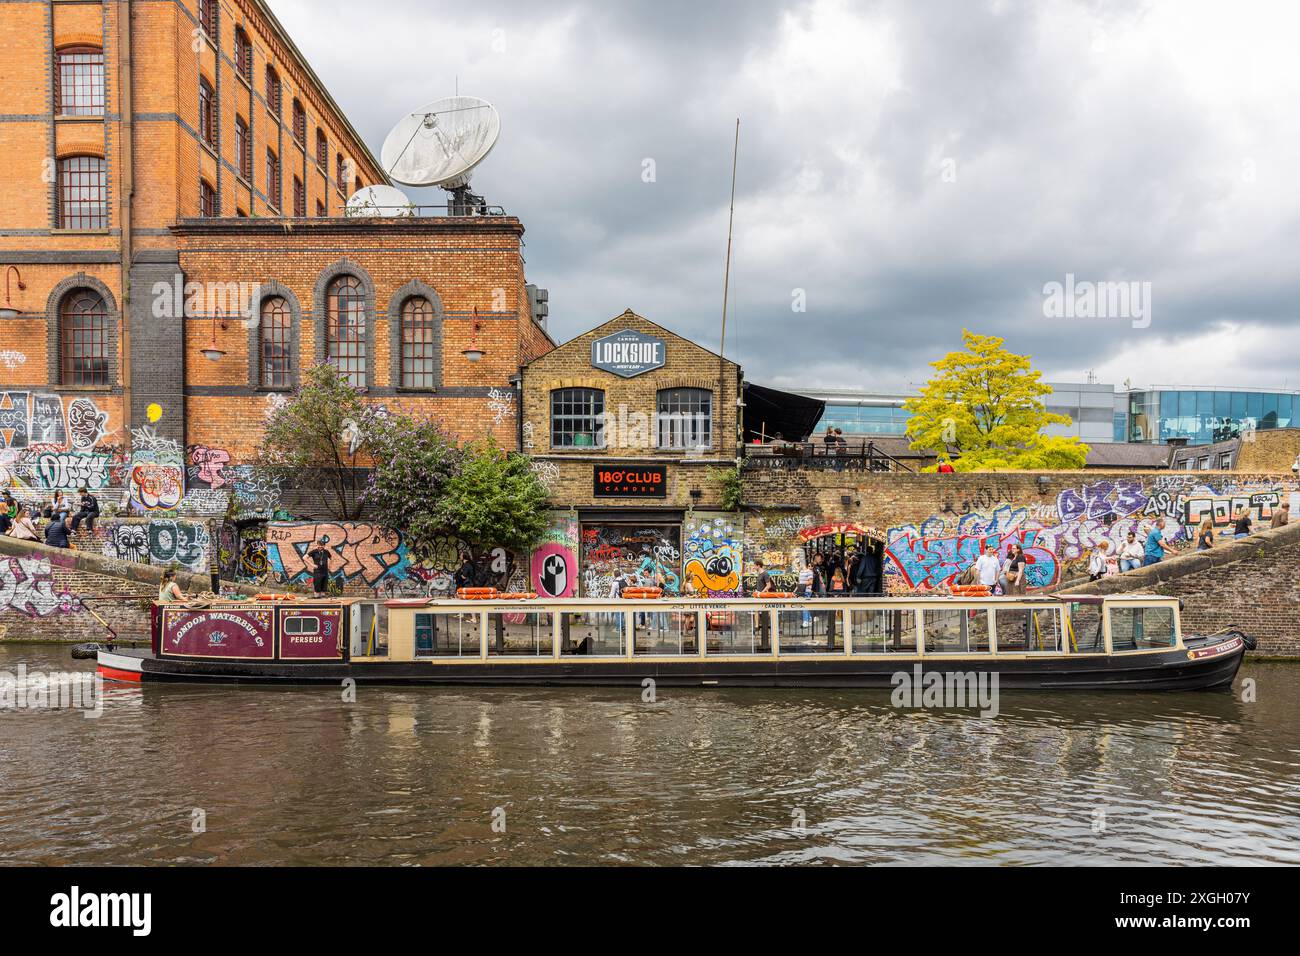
275 597
517 596
776 596
476 594
643 594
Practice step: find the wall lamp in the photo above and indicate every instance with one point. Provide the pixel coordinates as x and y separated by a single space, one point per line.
212 353
474 353
9 312
1043 483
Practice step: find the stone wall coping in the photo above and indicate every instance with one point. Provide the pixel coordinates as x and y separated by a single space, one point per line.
90 563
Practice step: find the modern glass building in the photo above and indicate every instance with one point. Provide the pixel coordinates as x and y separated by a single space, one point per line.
1091 408
1202 415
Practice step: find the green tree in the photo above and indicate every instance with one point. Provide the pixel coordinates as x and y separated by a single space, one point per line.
494 500
984 411
413 462
313 439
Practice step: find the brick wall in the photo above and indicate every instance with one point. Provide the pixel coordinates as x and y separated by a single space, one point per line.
1249 583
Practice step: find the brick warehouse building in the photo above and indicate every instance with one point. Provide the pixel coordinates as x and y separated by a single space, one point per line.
628 426
217 158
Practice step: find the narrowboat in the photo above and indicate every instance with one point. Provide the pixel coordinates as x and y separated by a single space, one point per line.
1129 642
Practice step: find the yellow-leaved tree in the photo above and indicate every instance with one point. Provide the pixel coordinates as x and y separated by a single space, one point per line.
984 411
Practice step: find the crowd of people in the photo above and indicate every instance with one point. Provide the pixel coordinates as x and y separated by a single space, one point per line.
55 522
1154 546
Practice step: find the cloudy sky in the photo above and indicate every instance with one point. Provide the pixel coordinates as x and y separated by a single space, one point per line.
906 168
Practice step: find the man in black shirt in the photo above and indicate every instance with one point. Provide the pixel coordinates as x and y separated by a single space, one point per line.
320 575
56 533
88 511
464 577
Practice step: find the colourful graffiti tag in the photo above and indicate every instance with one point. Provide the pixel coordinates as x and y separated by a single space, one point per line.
367 553
27 587
713 553
930 563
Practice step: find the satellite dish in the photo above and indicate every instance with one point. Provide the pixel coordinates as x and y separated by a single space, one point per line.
383 201
438 144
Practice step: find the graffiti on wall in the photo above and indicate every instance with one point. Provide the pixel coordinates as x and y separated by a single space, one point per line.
68 471
207 467
713 551
554 563
647 555
365 553
1058 538
162 542
27 587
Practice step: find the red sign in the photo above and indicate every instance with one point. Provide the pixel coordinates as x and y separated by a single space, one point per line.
638 481
830 530
311 634
232 633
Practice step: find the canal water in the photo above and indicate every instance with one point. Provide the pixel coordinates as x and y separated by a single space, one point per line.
579 776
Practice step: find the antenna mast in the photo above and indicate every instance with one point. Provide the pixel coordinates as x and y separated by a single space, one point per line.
731 220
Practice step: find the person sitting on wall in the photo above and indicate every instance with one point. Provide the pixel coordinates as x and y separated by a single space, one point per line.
88 513
8 511
56 532
23 529
58 505
1281 516
1130 555
946 468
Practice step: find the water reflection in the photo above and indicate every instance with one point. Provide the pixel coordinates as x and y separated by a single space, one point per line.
297 776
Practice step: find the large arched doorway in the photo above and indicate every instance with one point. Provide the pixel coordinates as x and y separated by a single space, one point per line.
855 550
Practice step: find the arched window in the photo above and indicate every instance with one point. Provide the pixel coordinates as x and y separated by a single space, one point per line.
341 180
84 334
274 343
244 55
274 91
577 418
79 81
419 344
243 148
83 193
207 200
208 17
685 418
299 198
207 112
345 329
273 194
322 151
299 122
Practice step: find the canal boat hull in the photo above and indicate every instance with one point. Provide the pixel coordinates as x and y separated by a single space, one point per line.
1199 666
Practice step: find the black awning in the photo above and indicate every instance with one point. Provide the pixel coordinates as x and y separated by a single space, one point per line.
769 412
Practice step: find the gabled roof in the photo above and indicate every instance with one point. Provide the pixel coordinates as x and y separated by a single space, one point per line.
630 319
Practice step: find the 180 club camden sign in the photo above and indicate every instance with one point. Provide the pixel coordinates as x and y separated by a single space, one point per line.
628 353
632 481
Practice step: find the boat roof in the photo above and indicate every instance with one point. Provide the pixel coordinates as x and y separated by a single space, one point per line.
676 603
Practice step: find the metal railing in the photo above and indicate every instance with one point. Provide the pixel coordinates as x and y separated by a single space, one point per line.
856 455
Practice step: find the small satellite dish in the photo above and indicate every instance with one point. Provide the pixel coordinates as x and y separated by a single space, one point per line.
438 144
383 201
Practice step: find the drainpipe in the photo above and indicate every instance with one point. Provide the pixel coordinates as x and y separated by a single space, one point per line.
127 194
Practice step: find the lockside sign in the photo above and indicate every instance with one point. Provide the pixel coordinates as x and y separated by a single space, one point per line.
628 353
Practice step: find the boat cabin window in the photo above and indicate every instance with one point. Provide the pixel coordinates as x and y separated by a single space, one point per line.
592 634
883 631
1084 629
1029 630
447 635
737 632
956 631
301 624
1141 628
811 631
664 632
520 634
